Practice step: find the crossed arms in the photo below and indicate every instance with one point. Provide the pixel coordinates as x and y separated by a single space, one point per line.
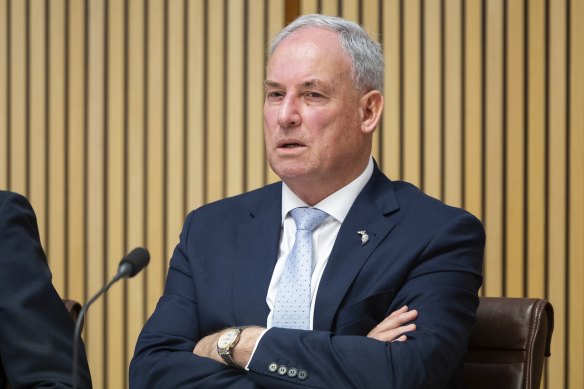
438 278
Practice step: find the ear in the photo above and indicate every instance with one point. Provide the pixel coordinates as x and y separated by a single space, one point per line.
371 106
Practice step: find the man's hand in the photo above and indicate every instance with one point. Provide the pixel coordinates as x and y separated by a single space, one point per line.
392 328
207 346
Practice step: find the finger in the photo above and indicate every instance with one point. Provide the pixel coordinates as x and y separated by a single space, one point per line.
401 310
400 319
402 338
390 335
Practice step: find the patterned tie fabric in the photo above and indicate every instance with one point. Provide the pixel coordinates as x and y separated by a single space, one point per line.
292 307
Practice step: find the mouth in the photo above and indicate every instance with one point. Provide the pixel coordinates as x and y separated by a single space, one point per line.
291 144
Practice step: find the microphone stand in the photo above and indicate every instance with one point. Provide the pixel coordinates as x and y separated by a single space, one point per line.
130 265
79 322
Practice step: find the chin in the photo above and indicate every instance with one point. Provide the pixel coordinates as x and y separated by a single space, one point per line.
289 169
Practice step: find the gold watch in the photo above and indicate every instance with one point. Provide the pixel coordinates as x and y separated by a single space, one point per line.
226 343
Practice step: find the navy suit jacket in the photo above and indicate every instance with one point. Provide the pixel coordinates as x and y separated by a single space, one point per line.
420 252
36 331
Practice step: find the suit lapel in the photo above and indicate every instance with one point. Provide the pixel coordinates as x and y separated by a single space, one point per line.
257 252
369 213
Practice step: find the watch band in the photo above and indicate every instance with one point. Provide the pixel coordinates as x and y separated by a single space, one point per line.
225 353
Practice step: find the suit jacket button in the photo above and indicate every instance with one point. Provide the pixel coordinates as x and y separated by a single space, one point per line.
282 370
292 372
272 367
302 374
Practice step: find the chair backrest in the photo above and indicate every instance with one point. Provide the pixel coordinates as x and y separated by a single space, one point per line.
509 343
74 308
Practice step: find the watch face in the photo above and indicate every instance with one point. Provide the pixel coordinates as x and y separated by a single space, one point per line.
227 338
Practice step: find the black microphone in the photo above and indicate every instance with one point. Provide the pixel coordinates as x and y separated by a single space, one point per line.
129 266
133 263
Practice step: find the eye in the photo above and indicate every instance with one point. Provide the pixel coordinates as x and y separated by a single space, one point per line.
274 95
314 95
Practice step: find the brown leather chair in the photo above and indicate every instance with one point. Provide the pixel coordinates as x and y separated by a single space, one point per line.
74 308
509 343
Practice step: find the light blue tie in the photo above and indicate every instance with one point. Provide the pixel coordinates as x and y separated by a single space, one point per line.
292 307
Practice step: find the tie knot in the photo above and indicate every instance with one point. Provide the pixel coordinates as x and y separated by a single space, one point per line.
307 218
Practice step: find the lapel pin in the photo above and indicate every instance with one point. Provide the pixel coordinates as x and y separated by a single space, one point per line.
364 237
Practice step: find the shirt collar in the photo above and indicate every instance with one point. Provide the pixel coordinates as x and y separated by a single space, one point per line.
337 204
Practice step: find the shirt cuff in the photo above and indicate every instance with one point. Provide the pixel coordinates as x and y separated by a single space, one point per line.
255 347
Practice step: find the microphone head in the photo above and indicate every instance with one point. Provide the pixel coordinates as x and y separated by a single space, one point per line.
134 262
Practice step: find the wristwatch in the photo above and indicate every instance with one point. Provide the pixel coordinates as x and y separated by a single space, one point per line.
226 343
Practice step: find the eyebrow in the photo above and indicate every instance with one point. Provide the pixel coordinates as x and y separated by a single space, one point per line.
306 84
273 84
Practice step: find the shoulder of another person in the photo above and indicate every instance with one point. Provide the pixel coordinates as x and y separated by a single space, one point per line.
14 201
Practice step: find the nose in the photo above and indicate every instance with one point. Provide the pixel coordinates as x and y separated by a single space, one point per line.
288 114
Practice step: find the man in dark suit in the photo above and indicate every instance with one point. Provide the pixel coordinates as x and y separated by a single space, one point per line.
36 331
388 262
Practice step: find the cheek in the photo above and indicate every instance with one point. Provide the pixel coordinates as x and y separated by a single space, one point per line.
269 122
270 114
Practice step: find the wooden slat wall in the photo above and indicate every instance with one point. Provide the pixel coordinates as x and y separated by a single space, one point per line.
118 117
106 111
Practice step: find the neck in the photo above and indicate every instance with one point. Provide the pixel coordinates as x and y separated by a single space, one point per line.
312 191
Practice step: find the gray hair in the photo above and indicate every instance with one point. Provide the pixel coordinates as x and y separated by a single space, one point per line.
366 54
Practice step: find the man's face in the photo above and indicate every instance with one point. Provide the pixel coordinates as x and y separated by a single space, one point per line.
312 114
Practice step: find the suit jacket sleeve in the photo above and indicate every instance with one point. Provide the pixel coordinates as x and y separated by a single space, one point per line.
164 352
442 286
36 331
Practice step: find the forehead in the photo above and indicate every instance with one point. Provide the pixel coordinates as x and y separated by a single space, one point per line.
310 54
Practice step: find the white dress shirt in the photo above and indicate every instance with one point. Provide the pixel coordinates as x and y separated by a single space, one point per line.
337 205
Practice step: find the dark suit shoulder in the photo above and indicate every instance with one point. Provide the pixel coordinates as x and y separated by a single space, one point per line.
417 205
7 196
16 212
243 204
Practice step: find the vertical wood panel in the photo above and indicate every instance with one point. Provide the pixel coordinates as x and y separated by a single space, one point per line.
36 178
175 124
473 108
56 233
256 42
135 172
453 103
94 328
392 119
116 136
234 137
536 144
75 156
196 104
17 125
156 232
215 118
330 7
309 6
4 58
576 184
351 9
411 93
557 148
493 217
515 169
432 81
